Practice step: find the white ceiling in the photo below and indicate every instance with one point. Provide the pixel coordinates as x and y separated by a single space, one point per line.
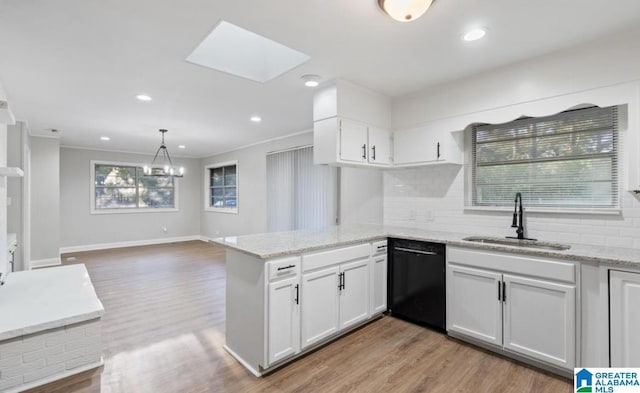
76 65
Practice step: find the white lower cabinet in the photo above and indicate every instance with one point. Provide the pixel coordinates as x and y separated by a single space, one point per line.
320 305
528 315
539 319
475 309
284 319
624 318
379 283
354 293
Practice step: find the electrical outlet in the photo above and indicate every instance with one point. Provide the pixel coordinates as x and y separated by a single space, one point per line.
429 216
412 215
8 201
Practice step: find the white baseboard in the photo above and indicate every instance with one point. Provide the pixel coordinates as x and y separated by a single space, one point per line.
106 246
34 264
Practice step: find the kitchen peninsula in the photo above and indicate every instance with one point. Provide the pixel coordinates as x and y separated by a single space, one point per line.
290 292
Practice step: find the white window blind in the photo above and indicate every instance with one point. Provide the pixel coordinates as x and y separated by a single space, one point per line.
300 194
566 160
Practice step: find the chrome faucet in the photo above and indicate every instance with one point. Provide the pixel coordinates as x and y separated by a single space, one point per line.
518 219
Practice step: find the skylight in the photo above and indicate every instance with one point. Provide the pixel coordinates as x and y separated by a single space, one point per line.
236 51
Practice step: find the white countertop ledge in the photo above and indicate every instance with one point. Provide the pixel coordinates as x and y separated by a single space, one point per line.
277 244
37 300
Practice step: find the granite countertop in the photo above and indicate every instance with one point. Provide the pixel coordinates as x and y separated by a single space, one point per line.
277 244
36 300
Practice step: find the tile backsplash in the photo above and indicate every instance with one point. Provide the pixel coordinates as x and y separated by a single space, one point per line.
432 198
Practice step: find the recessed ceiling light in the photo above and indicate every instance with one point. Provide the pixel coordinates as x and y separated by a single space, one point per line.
143 97
256 119
105 138
311 80
405 10
475 34
182 147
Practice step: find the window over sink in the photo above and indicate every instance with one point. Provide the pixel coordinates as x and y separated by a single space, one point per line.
565 161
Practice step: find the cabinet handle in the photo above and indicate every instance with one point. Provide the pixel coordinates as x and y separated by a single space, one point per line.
504 292
286 267
373 148
438 150
339 281
364 151
499 291
297 299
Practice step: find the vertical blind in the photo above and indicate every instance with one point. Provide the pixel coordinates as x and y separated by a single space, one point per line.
566 160
300 194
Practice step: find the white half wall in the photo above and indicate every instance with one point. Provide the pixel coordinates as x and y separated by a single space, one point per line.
81 230
45 198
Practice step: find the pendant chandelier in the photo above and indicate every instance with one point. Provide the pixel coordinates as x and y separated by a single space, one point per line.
165 166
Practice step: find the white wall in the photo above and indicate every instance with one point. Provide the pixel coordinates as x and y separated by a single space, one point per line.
412 196
17 138
80 228
360 196
361 191
3 201
45 200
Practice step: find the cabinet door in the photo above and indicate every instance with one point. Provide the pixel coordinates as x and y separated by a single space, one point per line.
320 305
414 146
284 319
539 320
473 306
378 284
353 141
354 296
380 146
624 289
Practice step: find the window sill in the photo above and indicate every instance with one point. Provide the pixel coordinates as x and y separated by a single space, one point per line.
133 211
616 211
221 210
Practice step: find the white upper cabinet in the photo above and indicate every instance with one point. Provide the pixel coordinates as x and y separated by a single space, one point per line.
353 141
352 126
422 146
380 146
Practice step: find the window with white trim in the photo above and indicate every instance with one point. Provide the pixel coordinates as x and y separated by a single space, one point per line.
569 160
122 187
221 185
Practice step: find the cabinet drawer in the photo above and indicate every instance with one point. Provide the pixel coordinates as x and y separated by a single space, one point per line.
332 257
378 248
285 267
552 269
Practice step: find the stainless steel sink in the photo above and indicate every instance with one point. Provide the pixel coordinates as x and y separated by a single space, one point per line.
518 243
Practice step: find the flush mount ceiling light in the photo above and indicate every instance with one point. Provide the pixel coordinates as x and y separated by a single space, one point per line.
311 80
165 166
405 10
240 52
143 97
475 34
255 119
105 138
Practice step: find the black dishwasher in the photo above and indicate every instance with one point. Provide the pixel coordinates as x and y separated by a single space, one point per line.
416 284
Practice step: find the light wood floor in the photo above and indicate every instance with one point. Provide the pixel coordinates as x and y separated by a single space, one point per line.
163 331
